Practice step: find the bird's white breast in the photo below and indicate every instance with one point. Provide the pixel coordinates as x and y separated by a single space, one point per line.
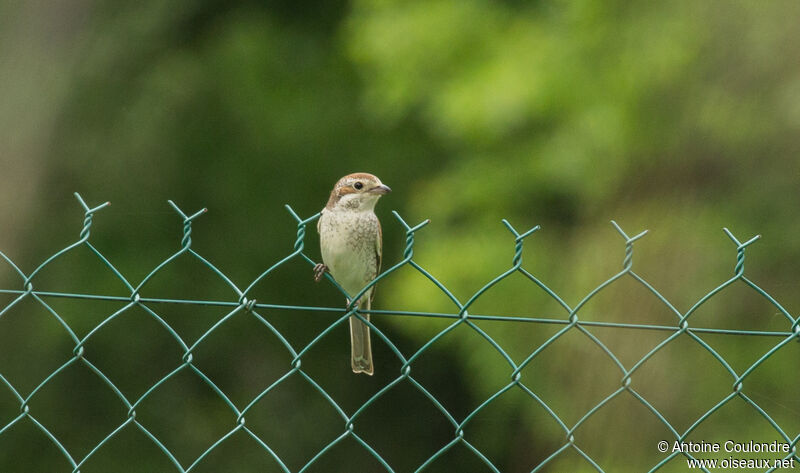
348 243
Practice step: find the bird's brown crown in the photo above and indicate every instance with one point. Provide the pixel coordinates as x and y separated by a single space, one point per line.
355 183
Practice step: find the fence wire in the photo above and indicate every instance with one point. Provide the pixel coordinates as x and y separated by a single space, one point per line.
459 316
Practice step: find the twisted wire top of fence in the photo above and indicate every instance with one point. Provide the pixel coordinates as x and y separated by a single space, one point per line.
243 304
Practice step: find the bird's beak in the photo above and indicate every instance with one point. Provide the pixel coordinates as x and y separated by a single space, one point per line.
381 189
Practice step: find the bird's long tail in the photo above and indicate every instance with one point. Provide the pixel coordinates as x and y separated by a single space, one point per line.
360 346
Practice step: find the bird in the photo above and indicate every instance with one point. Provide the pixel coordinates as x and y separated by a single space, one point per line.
351 245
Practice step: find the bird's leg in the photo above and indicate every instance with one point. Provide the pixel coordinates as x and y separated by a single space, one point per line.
319 271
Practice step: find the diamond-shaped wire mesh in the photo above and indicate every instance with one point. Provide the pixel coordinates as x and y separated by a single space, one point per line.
245 305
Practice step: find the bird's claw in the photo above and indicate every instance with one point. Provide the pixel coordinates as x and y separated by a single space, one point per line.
319 271
351 305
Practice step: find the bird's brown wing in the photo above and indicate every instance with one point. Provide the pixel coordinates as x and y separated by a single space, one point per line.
379 248
378 256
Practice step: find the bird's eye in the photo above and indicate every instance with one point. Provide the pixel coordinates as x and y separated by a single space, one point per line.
358 186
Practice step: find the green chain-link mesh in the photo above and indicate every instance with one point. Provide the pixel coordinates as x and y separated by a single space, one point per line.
460 316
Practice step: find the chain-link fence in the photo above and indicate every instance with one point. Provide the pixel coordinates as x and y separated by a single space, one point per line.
243 305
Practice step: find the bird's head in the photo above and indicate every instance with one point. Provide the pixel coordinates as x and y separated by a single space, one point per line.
358 191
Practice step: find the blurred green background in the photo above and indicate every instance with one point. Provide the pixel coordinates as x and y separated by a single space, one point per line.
680 117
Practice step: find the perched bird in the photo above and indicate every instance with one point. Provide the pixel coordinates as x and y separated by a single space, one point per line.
350 241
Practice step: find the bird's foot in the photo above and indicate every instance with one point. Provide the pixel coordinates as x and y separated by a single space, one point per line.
319 271
356 304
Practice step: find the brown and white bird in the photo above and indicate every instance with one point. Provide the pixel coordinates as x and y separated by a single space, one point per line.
350 241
